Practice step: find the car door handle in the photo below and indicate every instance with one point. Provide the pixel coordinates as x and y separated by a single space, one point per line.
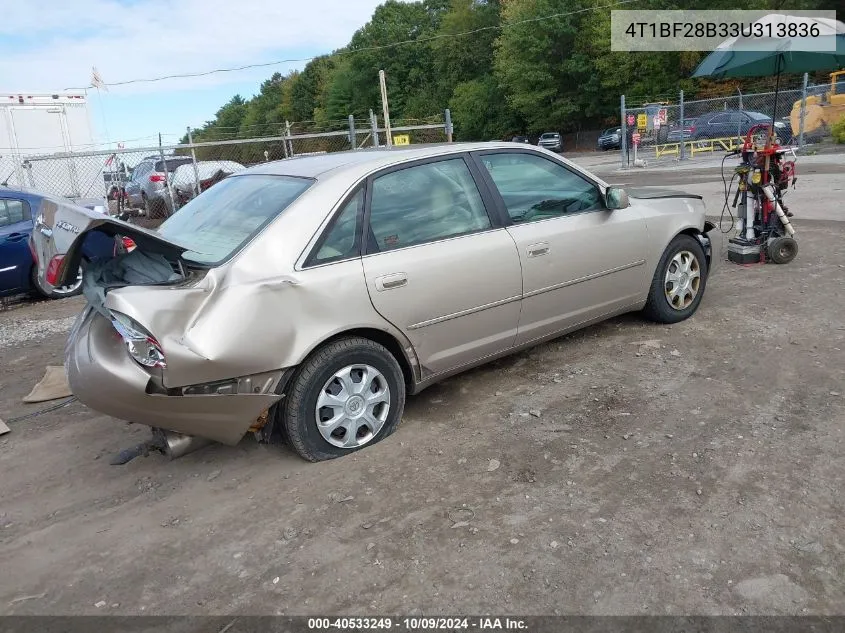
389 282
537 250
16 237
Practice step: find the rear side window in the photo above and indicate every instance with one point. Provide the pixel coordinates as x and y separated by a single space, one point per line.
341 240
425 203
13 211
172 164
217 224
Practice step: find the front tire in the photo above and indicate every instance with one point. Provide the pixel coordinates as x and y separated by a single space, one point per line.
347 395
678 283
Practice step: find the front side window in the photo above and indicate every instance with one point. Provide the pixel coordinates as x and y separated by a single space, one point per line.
217 224
424 203
534 188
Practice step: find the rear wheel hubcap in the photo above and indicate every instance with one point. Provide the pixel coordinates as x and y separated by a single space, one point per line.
353 406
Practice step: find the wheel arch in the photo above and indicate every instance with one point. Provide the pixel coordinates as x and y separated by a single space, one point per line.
407 361
33 272
702 237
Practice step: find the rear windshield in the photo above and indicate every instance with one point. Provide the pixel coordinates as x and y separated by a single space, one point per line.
550 135
214 226
172 164
758 116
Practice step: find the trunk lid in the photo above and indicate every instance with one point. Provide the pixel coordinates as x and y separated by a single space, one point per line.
60 230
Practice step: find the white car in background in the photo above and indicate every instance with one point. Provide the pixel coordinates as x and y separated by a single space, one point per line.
183 180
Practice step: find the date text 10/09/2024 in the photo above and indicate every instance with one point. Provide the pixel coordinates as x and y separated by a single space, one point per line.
418 624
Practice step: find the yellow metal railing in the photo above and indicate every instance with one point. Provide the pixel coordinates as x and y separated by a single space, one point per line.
696 147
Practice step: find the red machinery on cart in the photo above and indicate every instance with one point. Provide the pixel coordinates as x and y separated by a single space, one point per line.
764 231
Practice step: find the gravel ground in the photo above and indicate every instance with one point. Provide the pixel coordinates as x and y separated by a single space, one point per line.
21 330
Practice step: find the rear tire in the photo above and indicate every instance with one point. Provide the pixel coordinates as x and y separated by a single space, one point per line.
782 250
47 292
308 426
678 283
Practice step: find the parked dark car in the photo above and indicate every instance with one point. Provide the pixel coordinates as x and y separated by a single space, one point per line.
18 210
726 124
678 133
611 138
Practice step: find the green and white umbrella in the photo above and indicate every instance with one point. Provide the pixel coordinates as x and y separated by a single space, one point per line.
764 57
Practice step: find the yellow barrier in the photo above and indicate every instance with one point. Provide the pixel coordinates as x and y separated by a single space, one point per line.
696 147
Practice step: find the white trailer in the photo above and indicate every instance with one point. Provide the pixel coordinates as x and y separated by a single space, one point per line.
38 135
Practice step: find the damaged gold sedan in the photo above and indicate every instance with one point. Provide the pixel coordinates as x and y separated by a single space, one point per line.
302 300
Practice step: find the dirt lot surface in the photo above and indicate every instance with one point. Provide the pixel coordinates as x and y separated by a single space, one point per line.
626 469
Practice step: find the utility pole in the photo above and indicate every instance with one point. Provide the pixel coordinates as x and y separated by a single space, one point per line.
803 112
382 83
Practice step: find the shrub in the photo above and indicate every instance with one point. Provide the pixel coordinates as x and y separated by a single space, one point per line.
838 130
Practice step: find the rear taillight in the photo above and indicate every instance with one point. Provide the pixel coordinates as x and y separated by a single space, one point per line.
128 243
52 274
157 178
141 345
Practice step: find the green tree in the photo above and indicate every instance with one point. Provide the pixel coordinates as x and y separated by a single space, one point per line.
409 68
479 110
457 57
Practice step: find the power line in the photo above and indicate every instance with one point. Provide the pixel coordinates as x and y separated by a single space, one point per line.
360 50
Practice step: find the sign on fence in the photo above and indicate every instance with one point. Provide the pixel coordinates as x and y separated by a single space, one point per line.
630 119
635 137
642 121
402 139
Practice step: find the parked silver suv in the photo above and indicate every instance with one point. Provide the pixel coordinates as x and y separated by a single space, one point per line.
147 187
550 141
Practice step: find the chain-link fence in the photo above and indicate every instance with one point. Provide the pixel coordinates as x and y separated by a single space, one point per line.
679 129
154 181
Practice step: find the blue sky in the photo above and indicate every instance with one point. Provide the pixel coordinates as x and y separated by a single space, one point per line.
51 45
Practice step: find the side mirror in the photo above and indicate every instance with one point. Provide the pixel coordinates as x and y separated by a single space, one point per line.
616 198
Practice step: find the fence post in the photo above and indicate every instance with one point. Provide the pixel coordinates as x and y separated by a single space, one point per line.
352 132
448 115
374 128
166 180
739 90
624 127
288 140
196 186
682 151
803 112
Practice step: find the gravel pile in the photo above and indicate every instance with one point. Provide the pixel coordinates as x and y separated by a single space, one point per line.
16 331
